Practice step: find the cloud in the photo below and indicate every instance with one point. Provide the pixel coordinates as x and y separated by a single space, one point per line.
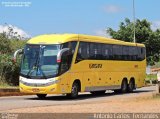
16 31
112 9
102 32
155 25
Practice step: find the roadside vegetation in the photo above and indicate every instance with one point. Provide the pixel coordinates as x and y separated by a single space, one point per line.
9 70
151 79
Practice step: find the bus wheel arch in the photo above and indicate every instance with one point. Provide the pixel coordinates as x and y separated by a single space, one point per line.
76 87
123 86
79 84
131 85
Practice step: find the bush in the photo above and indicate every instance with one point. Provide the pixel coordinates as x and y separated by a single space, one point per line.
9 71
4 44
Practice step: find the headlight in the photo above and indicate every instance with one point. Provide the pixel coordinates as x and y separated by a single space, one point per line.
39 84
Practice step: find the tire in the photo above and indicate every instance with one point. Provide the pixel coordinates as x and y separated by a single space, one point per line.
124 86
98 92
131 86
41 96
74 91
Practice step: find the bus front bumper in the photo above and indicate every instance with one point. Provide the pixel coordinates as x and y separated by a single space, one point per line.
40 86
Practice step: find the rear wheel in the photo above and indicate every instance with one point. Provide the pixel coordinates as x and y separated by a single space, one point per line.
74 91
41 96
124 86
131 86
98 92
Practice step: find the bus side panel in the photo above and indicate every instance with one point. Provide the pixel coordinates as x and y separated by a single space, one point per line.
64 83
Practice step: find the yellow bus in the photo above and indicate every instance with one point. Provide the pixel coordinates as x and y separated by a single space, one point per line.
73 63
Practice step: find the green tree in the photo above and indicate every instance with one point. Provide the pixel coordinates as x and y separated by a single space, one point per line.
4 44
144 34
9 70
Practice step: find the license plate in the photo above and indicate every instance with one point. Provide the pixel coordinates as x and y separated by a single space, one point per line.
35 89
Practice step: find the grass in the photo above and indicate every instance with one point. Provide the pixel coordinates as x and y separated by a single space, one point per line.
151 77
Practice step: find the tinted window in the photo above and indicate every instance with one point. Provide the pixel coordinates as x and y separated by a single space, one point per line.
106 51
83 51
141 53
99 51
92 51
132 53
68 56
117 52
125 53
71 45
95 51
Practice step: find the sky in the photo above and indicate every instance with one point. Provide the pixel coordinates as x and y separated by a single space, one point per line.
93 17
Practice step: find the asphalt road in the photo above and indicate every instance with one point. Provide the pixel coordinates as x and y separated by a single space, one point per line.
16 102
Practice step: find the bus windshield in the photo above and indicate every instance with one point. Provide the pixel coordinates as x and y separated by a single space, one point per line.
40 61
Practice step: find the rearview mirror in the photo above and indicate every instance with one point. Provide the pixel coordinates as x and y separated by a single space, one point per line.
19 51
59 55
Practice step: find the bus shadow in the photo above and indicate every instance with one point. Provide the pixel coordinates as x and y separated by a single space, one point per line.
86 96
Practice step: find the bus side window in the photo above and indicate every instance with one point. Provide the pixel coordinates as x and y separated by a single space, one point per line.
92 51
117 52
106 52
83 52
99 51
135 54
64 66
125 53
95 51
141 53
68 56
132 53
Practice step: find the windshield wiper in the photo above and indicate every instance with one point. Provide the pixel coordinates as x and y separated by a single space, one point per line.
34 65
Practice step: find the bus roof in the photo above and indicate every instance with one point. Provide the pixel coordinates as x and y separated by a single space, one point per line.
62 38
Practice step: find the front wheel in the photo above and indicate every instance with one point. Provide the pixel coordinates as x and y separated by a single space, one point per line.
41 96
74 91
